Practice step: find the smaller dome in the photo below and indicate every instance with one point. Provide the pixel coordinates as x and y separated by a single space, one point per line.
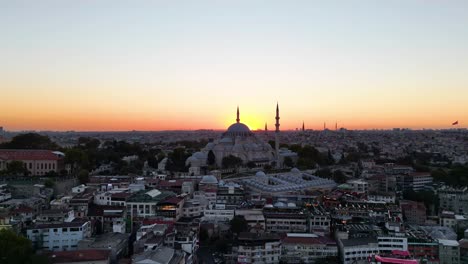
291 205
199 155
268 206
279 204
225 140
295 170
209 179
260 174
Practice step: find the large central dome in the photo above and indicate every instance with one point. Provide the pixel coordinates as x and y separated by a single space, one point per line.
238 127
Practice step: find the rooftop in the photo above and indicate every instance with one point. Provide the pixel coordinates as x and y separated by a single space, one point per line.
78 256
29 154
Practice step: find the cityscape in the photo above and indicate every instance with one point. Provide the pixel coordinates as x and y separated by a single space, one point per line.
206 132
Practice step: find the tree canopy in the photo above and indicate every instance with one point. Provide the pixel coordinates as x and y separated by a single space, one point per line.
238 224
16 249
30 141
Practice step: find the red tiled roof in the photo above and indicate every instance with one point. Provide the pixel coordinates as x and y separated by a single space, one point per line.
22 209
28 154
78 255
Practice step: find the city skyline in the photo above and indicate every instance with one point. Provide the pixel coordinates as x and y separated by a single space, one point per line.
110 66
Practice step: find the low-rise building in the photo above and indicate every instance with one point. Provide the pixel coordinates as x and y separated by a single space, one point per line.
58 237
305 248
258 248
357 250
413 212
449 251
37 162
90 256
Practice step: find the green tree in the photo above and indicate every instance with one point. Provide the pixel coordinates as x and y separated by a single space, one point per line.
211 159
16 249
238 224
176 160
16 168
30 141
204 235
288 162
339 176
78 158
49 183
231 161
83 176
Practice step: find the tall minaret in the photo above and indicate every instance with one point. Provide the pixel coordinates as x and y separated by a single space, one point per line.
266 127
277 125
303 126
238 119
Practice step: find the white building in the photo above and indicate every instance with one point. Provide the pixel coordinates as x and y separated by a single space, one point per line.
218 213
357 250
449 251
359 185
57 237
387 244
258 248
305 248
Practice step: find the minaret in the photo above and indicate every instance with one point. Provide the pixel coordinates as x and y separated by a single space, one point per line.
303 126
238 119
336 126
266 127
324 126
277 125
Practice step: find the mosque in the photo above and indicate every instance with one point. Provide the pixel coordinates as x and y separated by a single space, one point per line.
240 142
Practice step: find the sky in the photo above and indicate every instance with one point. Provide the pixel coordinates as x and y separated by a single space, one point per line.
167 65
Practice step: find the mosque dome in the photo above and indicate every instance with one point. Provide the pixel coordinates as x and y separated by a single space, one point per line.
238 127
209 179
279 204
295 170
260 174
199 155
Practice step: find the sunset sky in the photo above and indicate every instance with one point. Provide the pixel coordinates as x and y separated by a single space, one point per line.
163 65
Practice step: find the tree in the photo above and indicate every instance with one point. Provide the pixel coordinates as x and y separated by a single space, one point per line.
16 168
288 162
211 158
78 158
176 160
238 224
16 249
49 183
204 235
339 176
30 141
231 161
222 246
83 176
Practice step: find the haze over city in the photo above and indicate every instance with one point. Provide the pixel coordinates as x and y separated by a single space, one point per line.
109 65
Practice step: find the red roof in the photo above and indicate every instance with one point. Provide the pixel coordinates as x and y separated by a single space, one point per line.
78 255
22 209
28 154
